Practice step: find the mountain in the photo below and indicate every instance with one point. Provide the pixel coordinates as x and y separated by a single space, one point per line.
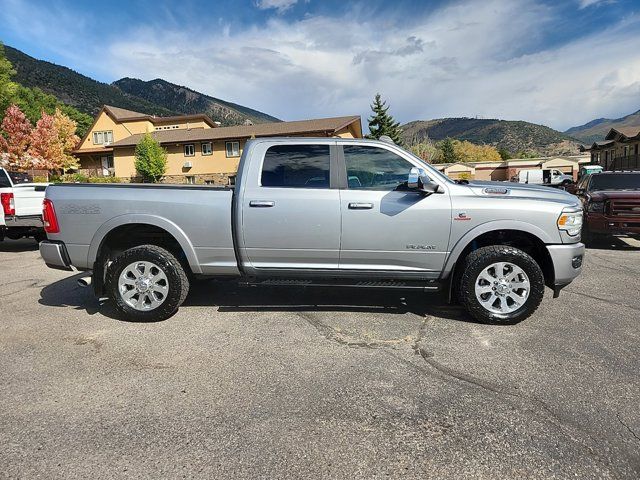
156 97
513 136
184 100
597 129
72 88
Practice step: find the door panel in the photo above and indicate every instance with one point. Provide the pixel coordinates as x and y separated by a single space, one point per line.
385 226
402 231
300 230
291 217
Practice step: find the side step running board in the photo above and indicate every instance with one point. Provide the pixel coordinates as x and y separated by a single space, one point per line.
425 285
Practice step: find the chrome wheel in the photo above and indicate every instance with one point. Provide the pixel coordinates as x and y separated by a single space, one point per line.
502 287
143 286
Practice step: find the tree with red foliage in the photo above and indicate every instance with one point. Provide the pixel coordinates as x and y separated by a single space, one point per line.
14 141
44 142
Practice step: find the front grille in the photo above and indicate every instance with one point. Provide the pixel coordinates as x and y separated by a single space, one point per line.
624 207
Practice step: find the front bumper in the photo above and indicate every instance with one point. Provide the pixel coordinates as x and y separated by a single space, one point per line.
612 225
55 255
567 263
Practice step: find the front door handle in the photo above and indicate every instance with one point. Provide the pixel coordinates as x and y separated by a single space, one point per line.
360 206
261 203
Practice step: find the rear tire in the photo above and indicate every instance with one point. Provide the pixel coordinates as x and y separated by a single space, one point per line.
146 283
500 285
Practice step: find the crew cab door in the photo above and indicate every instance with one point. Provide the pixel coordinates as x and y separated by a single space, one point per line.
290 212
383 227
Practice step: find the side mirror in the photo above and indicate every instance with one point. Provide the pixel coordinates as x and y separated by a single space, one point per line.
418 180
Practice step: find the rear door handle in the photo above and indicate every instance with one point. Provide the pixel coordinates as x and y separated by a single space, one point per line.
360 206
261 203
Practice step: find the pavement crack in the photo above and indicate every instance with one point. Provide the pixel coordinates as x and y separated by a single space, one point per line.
332 334
335 335
635 435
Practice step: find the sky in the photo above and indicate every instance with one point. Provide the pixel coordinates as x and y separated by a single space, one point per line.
558 63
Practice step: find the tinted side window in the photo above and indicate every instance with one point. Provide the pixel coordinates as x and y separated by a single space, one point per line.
373 168
4 180
296 166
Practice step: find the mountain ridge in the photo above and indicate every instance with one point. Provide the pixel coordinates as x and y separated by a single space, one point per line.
514 136
89 95
188 101
596 130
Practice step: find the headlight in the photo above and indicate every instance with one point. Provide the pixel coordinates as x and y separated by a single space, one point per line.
597 207
570 222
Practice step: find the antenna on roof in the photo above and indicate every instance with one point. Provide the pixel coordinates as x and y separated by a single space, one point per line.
386 139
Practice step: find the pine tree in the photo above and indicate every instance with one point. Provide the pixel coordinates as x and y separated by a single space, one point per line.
151 159
448 151
381 123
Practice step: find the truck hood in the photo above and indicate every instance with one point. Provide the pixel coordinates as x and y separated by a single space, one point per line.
521 190
599 195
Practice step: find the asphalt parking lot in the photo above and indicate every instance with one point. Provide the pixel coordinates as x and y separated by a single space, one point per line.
293 383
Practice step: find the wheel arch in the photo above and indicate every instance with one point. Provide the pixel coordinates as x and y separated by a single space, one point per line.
522 235
132 221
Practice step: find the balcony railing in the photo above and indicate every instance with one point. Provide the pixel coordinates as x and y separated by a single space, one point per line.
630 162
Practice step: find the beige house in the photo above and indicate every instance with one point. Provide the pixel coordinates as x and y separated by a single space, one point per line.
199 151
505 170
620 149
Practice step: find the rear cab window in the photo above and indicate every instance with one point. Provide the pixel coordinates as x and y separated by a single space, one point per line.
4 180
296 166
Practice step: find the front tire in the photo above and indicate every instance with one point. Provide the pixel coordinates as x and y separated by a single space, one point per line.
500 285
146 283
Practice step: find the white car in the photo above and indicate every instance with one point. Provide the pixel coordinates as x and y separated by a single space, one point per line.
21 213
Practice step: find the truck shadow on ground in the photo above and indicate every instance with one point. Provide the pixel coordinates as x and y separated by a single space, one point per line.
614 243
230 297
16 246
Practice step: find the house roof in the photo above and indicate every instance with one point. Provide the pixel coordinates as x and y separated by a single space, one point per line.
326 126
121 114
628 132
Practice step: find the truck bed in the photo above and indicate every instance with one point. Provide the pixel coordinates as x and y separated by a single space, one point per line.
198 217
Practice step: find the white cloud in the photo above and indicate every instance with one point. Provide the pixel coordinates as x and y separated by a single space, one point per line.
467 59
279 5
589 3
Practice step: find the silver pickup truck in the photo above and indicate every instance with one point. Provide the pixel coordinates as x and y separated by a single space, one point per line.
319 212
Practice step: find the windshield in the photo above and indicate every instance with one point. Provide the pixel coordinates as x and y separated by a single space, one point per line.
621 181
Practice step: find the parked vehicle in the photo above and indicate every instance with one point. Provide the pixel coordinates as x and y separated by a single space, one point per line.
588 170
611 202
541 176
330 212
21 206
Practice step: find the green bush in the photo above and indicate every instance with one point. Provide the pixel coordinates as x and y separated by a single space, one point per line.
81 178
40 179
105 180
151 159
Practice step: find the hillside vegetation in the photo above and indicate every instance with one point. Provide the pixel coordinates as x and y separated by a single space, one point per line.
511 136
73 88
184 100
157 97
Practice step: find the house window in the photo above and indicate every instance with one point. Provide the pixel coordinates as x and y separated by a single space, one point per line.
103 138
190 179
233 149
189 150
206 148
